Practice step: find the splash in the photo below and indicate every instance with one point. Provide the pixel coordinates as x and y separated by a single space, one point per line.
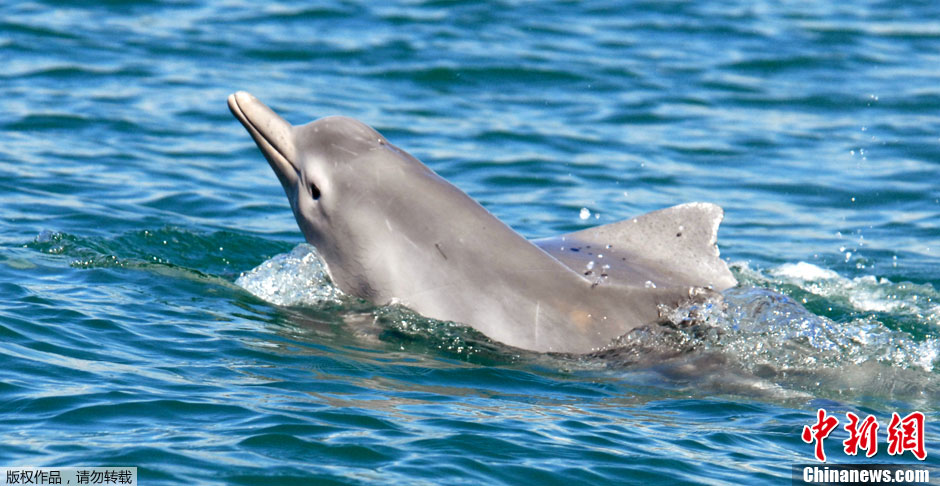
764 327
874 339
762 331
297 278
920 303
765 321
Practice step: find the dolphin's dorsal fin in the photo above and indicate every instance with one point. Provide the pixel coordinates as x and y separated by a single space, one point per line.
671 247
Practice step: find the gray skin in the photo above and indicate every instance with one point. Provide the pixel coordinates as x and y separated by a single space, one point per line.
390 230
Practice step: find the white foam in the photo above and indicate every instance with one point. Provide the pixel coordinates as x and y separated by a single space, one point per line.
864 294
765 319
804 271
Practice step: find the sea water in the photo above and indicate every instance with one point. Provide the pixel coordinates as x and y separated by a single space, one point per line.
159 310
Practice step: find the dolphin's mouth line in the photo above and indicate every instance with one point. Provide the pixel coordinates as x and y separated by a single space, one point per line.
281 161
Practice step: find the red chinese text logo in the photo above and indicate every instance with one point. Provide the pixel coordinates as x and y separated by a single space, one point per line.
907 434
861 435
904 434
824 426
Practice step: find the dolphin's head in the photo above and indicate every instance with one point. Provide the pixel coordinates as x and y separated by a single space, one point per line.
341 178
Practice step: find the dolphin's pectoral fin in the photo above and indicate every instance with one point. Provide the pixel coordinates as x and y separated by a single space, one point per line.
671 247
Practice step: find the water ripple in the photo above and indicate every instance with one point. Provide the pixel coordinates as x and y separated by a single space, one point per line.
132 203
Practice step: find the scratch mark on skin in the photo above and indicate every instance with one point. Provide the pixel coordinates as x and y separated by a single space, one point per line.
438 246
438 288
344 149
538 305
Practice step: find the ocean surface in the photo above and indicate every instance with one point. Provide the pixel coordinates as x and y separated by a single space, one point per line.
159 309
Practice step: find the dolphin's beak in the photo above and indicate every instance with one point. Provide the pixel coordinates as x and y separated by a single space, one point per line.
272 134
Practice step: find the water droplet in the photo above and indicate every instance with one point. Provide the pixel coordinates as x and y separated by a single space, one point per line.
585 213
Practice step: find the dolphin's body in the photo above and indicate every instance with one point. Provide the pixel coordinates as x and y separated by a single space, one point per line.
391 230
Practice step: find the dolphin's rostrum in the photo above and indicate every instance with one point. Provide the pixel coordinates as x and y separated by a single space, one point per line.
391 230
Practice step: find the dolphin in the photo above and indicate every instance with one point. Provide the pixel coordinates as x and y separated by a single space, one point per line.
390 230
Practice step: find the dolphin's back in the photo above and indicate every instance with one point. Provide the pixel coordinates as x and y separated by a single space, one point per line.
671 247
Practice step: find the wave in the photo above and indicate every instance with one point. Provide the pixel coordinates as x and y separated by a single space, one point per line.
796 330
881 337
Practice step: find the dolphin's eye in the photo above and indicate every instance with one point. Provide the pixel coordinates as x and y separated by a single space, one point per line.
314 191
